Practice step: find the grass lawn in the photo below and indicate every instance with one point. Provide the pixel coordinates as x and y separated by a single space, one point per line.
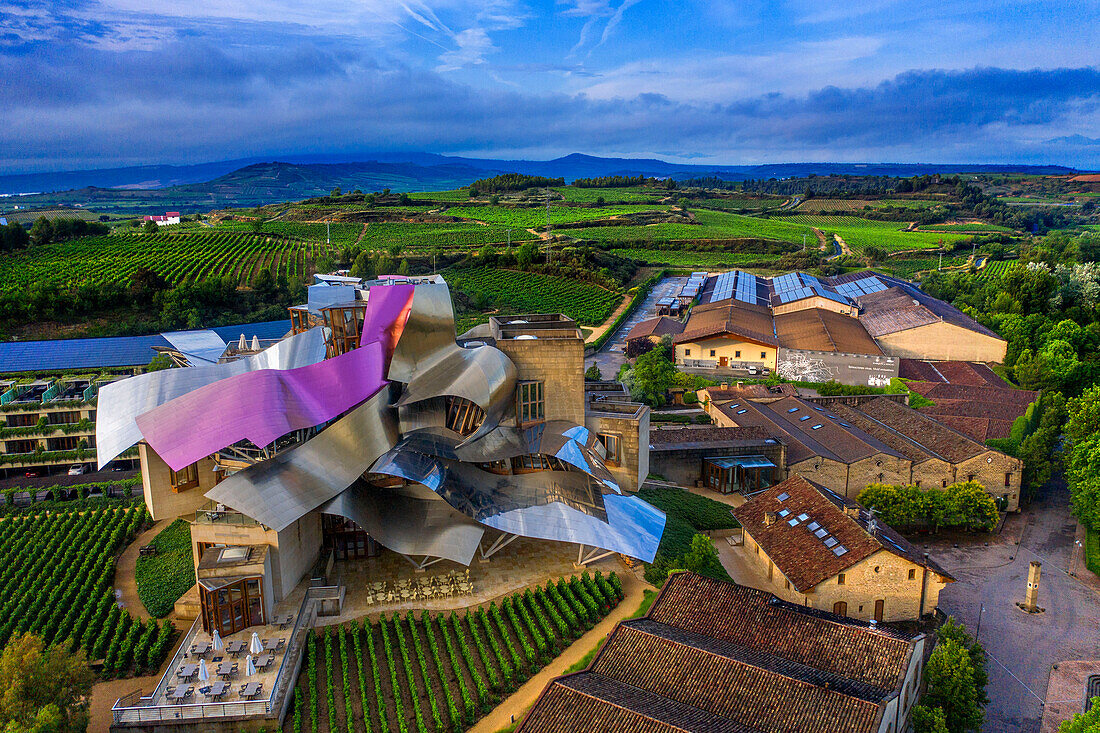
164 577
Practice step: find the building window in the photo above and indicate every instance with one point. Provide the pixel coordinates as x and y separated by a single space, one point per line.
917 483
737 355
788 585
613 444
763 355
945 483
712 352
69 442
1008 479
531 405
840 579
184 479
970 477
536 462
500 467
687 352
27 420
21 446
912 573
463 416
63 418
840 608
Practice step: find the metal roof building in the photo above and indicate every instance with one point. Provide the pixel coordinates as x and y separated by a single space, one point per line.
116 352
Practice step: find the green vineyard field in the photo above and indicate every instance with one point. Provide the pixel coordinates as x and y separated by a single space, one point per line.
886 235
180 257
536 216
529 292
693 260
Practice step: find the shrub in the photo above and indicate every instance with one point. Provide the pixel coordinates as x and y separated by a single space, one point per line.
164 577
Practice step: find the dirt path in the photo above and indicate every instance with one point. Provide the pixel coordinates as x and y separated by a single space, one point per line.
602 328
843 245
515 705
823 243
104 694
125 582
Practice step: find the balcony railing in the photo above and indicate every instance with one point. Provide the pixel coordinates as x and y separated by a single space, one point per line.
135 709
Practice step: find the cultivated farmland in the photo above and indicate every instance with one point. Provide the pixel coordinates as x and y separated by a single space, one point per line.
694 260
186 256
441 672
886 235
528 292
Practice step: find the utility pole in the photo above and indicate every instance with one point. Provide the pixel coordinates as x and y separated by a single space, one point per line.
940 267
328 233
509 239
548 233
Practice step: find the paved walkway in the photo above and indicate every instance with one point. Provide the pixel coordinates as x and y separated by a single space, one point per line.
104 694
515 705
126 567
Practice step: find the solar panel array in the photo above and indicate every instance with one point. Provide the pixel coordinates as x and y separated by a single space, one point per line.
863 286
746 287
694 285
723 287
798 285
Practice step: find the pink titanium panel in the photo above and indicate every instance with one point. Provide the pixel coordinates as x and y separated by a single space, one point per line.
261 405
388 309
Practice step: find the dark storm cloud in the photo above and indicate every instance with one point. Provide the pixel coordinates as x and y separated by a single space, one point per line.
80 106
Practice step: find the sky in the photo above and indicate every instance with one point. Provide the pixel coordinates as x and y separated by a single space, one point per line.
106 83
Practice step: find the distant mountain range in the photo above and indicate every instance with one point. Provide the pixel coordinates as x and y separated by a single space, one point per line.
250 182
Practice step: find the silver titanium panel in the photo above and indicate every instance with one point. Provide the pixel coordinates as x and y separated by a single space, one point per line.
409 519
634 528
427 357
480 494
278 491
121 402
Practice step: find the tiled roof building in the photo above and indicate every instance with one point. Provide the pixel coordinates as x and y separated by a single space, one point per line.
714 656
824 551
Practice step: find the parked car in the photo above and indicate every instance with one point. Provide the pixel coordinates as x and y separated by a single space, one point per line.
78 469
31 474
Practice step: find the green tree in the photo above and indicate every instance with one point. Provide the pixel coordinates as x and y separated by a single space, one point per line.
258 224
45 690
403 268
150 227
1084 722
336 192
593 373
364 267
264 286
42 231
526 254
651 377
956 679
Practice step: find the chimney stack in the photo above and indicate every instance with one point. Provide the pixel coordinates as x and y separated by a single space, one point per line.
770 518
1031 597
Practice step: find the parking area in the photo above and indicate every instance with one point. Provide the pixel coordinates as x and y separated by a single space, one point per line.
611 357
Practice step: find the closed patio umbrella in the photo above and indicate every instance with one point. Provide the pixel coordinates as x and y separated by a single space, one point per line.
216 641
249 667
204 674
255 646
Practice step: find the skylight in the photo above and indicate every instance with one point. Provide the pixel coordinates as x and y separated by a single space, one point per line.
812 526
840 550
742 410
830 541
803 517
816 427
793 522
846 425
820 409
804 418
793 409
783 497
821 533
784 512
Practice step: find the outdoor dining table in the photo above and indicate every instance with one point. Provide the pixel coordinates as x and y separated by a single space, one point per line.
283 621
181 693
200 648
216 690
264 661
251 689
271 645
187 671
235 647
226 669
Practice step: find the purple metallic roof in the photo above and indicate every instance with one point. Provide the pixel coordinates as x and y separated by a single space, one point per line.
261 405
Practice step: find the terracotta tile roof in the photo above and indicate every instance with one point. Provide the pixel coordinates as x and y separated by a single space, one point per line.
973 374
751 391
658 326
718 657
678 436
817 329
748 321
978 428
772 692
933 436
798 552
755 619
923 371
992 395
904 445
829 439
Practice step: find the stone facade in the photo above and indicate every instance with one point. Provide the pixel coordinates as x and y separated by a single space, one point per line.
726 351
813 302
559 364
164 500
630 423
943 342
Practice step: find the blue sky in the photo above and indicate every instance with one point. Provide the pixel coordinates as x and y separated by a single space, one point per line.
124 82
